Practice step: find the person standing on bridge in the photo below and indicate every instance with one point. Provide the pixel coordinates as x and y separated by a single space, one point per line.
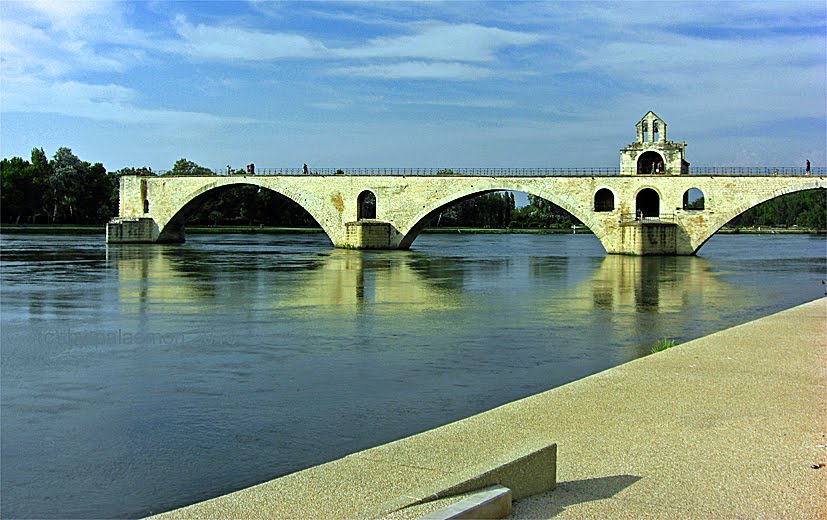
808 167
304 169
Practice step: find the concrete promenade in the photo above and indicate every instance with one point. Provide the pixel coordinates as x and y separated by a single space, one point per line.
725 426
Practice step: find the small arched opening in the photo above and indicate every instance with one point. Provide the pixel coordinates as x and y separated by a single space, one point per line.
650 163
647 203
366 203
604 200
693 199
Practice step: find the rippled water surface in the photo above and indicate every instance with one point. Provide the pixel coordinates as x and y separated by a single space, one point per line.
136 379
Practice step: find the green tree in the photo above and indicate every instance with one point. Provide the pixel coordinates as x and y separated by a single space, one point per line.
696 204
42 199
186 167
67 183
99 198
541 213
806 209
488 210
15 184
133 170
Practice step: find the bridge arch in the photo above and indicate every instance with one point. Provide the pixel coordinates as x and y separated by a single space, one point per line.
725 217
190 203
429 212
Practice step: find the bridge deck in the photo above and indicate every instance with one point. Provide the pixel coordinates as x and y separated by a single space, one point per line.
528 172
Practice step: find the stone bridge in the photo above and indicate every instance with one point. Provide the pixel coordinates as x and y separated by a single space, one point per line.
650 205
629 214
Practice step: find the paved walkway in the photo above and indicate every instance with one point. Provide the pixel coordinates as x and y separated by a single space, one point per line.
726 426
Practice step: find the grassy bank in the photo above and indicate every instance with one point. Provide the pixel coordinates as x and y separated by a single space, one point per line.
52 229
497 231
266 230
767 230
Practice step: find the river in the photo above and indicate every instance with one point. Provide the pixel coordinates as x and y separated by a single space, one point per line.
136 379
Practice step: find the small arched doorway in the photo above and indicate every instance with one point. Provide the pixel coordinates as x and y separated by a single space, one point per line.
647 203
604 200
650 163
366 205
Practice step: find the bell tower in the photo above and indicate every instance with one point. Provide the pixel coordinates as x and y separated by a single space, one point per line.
652 153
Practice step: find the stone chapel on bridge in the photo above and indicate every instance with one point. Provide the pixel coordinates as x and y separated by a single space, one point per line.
652 153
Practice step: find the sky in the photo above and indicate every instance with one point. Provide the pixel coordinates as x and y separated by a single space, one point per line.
411 84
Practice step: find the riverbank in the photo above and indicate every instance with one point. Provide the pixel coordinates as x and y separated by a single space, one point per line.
728 425
98 229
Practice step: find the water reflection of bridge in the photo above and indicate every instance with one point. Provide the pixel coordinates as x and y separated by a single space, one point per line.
346 281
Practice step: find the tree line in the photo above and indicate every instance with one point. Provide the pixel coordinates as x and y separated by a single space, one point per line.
67 190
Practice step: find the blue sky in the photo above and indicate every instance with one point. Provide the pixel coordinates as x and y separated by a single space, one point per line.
396 84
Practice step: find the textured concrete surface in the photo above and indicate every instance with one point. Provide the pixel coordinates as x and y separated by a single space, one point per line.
726 426
427 471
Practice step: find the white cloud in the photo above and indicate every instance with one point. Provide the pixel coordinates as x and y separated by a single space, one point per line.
71 15
431 41
463 103
102 102
444 42
418 70
205 42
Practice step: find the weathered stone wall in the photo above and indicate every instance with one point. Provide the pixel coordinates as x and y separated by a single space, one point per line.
648 238
367 234
406 204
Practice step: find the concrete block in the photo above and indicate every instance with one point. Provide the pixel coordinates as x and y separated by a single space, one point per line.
526 475
491 502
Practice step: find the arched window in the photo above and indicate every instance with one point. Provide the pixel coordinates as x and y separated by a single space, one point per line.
647 204
604 200
366 205
650 163
693 199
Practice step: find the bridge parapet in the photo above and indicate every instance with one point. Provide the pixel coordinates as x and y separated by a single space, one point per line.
597 171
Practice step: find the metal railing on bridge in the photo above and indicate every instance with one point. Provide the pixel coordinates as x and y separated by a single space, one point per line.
629 218
756 170
487 172
522 172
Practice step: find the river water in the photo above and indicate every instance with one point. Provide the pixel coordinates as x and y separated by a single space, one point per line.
136 379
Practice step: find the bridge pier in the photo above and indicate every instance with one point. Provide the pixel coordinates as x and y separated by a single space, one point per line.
131 231
142 230
643 238
368 234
